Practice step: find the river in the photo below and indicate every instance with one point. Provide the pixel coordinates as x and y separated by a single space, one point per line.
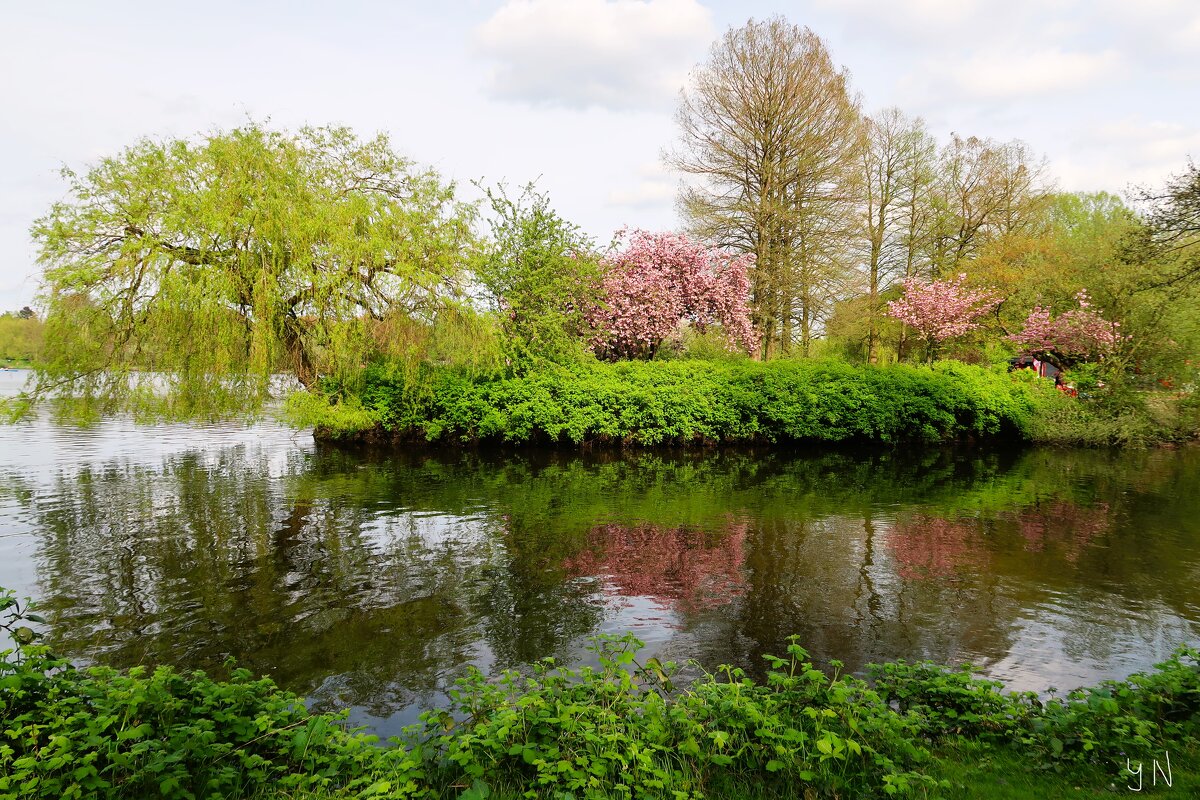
369 580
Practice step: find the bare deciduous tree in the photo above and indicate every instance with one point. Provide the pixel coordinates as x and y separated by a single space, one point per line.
985 189
768 135
897 157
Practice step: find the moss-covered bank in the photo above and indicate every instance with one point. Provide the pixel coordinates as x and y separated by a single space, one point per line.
717 402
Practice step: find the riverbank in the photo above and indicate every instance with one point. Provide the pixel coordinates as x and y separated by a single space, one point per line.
623 729
705 403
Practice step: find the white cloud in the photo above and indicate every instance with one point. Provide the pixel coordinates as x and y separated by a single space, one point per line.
644 194
654 188
1125 153
1188 34
1004 73
616 54
921 17
1007 73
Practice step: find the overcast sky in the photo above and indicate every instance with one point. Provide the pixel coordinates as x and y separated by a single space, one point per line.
578 93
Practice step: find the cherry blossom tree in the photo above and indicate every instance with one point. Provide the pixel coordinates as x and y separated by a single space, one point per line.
658 281
1072 337
941 310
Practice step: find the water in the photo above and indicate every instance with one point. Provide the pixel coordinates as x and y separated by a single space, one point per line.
369 580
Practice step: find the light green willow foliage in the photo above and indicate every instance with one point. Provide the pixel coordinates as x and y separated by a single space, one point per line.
181 275
543 273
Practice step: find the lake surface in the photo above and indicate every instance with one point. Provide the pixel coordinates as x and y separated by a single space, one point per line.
369 580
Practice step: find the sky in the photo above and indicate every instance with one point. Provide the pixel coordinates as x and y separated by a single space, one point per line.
578 95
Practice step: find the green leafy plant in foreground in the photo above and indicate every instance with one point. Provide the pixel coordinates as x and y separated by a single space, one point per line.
624 730
621 729
68 733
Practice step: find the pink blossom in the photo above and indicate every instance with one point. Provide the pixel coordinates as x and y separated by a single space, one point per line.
1073 336
926 547
941 310
660 280
677 568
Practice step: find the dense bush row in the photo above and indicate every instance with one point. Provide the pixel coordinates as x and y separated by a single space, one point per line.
622 730
682 402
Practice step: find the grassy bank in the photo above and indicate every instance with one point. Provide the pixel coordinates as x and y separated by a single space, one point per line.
625 729
711 402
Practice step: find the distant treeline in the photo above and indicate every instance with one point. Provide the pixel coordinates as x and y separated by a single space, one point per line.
20 337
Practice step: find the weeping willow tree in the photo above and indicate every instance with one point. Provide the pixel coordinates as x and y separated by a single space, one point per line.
190 273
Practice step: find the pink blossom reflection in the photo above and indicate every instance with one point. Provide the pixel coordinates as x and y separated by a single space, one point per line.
1067 527
933 547
678 568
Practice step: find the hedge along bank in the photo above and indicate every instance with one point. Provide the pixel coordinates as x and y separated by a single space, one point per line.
678 402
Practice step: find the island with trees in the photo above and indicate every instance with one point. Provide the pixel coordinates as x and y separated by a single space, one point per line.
840 276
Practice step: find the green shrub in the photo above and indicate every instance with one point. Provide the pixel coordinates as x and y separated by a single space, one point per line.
689 401
624 729
948 701
1136 718
72 733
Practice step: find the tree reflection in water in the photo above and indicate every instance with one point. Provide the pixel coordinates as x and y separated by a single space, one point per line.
679 568
1068 526
933 547
372 579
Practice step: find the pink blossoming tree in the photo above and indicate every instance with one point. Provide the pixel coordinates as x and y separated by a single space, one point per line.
657 281
941 310
1072 337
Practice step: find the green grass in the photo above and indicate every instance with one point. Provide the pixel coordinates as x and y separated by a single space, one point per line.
970 770
974 770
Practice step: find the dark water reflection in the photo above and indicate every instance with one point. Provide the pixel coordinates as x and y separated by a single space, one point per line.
371 579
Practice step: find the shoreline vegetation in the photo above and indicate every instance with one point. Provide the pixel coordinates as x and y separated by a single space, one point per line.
697 403
630 727
534 334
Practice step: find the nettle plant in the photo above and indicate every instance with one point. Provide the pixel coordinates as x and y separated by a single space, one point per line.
23 668
102 733
625 729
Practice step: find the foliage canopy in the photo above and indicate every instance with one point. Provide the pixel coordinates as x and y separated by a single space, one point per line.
204 267
544 274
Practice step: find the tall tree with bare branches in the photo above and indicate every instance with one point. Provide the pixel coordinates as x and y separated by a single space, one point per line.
985 189
768 137
896 156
